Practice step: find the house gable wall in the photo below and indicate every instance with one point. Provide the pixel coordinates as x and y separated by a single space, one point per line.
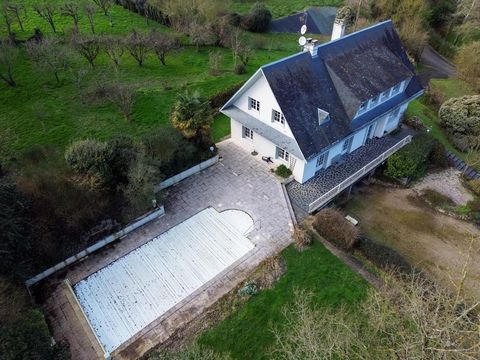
260 91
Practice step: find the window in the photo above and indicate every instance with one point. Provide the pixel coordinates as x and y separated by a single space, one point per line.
247 133
394 114
385 95
321 160
346 144
374 101
396 89
363 107
282 154
278 117
253 104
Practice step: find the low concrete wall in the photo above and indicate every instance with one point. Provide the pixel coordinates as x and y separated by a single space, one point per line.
185 174
98 245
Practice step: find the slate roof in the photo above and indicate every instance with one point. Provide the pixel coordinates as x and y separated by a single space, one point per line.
319 21
338 78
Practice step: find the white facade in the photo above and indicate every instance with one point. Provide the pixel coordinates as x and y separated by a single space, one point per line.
258 101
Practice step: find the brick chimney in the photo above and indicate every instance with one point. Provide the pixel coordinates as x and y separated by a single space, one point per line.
338 29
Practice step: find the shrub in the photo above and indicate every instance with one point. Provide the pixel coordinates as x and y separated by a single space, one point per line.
461 118
258 19
474 205
302 238
474 185
333 226
411 161
382 256
87 156
468 63
438 156
437 199
215 59
240 69
27 338
283 171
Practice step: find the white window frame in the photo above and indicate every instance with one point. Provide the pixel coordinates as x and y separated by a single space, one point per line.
363 107
394 115
278 117
347 145
247 133
374 101
397 89
282 154
384 96
253 104
322 160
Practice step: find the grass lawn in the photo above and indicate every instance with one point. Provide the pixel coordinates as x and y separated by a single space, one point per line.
247 334
449 88
40 111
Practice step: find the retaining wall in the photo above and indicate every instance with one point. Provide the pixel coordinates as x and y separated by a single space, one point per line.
98 245
185 174
459 164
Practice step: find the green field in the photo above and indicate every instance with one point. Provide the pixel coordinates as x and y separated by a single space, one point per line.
40 111
280 8
247 333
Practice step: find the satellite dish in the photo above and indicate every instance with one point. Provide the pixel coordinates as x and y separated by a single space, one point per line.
302 41
303 30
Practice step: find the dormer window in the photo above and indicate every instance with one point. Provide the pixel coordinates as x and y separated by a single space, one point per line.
323 116
396 89
277 117
374 102
253 104
362 107
385 95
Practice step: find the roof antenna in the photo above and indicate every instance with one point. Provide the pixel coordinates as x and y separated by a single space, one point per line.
302 40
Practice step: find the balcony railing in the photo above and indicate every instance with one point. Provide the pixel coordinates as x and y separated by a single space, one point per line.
329 195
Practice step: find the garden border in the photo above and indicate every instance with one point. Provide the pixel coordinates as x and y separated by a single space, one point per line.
146 218
459 164
187 173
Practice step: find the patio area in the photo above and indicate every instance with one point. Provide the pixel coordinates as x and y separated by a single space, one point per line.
328 183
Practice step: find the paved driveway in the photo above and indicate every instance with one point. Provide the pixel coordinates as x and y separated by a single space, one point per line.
238 181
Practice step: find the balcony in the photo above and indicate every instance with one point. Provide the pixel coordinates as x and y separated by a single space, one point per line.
328 183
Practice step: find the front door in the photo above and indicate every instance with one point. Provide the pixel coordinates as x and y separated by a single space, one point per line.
370 130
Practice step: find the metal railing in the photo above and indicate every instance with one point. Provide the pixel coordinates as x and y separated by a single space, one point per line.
322 200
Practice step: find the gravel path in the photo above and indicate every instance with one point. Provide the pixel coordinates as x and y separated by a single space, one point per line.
448 183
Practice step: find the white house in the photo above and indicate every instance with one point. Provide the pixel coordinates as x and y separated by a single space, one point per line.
310 110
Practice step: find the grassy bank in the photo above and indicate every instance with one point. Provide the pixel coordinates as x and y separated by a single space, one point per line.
247 334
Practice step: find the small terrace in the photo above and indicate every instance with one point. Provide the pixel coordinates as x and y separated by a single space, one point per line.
328 183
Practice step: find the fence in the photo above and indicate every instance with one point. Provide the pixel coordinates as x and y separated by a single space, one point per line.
322 200
459 164
91 249
185 174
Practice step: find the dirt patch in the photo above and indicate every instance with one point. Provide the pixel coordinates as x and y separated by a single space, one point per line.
448 183
427 239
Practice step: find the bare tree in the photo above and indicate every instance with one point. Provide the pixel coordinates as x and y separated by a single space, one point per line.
124 97
138 45
89 10
49 55
72 10
46 11
104 5
200 34
8 55
115 48
88 47
162 44
245 52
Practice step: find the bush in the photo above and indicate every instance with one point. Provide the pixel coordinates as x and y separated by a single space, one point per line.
302 238
468 63
438 156
411 161
27 338
461 118
382 256
332 225
258 19
474 205
283 171
87 157
474 185
240 69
